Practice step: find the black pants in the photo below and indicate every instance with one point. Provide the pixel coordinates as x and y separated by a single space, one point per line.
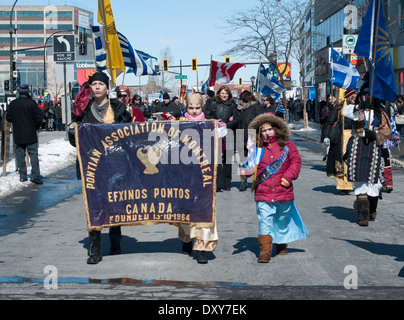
223 180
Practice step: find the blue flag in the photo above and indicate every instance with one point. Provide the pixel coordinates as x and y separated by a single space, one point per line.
343 74
267 85
374 44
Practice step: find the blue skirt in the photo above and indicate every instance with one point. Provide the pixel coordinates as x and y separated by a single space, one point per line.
282 221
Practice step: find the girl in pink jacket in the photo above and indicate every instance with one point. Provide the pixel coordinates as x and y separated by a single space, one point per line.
275 163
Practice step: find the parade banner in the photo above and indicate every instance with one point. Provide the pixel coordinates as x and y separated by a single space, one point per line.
148 173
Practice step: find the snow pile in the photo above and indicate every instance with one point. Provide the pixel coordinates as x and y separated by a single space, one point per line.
53 156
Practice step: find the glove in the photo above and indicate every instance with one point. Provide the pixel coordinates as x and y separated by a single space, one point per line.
370 135
326 141
285 183
364 105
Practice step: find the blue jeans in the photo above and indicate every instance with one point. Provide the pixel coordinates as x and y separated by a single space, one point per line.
22 165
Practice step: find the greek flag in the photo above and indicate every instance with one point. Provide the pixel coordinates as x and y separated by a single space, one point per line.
133 60
254 157
267 85
343 74
280 108
100 52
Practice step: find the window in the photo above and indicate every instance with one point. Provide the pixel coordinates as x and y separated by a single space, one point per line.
38 27
30 14
59 27
5 14
6 40
59 14
30 40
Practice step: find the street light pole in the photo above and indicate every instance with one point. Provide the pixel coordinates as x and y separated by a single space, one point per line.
11 49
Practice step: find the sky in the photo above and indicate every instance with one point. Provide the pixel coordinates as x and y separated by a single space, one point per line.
191 29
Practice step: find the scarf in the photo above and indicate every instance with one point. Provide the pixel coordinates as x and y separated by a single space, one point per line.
201 117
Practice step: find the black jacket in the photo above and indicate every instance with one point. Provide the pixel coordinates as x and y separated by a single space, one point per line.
26 118
246 115
121 114
144 108
223 110
171 108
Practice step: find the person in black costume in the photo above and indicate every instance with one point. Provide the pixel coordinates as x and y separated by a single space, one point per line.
100 109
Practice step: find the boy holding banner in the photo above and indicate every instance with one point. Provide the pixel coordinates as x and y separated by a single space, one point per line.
99 109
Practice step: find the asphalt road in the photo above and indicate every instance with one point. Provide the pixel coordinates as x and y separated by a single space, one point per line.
47 240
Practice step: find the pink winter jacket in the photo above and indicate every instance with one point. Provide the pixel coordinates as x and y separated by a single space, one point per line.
271 189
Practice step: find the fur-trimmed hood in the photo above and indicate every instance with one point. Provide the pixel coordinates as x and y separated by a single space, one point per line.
271 119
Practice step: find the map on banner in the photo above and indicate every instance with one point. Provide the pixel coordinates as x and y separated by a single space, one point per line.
148 173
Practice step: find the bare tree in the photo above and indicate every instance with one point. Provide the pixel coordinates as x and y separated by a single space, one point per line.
269 30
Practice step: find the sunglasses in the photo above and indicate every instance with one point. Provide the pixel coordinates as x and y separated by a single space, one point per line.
120 95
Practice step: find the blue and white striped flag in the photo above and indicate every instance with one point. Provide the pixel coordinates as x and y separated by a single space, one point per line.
343 74
133 60
100 52
254 157
267 85
280 108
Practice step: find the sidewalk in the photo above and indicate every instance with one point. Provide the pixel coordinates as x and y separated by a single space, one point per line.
313 133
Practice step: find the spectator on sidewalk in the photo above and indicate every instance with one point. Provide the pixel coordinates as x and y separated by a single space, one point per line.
26 118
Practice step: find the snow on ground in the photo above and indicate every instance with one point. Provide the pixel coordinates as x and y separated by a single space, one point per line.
53 156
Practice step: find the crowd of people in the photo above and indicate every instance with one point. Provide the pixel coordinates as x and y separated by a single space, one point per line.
359 133
272 159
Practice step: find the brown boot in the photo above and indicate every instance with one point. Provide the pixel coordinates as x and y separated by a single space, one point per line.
265 242
281 249
362 203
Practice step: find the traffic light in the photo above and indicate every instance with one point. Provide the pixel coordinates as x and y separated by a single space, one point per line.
6 85
82 44
165 65
194 64
227 59
240 81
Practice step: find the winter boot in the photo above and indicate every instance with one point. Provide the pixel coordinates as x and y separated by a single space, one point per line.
94 252
201 258
281 249
187 248
373 206
265 242
115 239
243 184
362 205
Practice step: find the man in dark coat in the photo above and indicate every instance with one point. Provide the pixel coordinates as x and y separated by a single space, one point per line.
168 106
26 118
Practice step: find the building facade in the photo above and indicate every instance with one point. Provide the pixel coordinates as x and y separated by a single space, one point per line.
34 29
334 19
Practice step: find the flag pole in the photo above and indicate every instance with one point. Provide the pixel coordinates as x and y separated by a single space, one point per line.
93 43
210 70
258 76
332 70
374 58
106 40
374 50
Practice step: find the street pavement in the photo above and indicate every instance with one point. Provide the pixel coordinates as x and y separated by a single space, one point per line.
339 260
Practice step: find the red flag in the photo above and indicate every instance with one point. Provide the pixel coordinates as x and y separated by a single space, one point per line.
222 72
